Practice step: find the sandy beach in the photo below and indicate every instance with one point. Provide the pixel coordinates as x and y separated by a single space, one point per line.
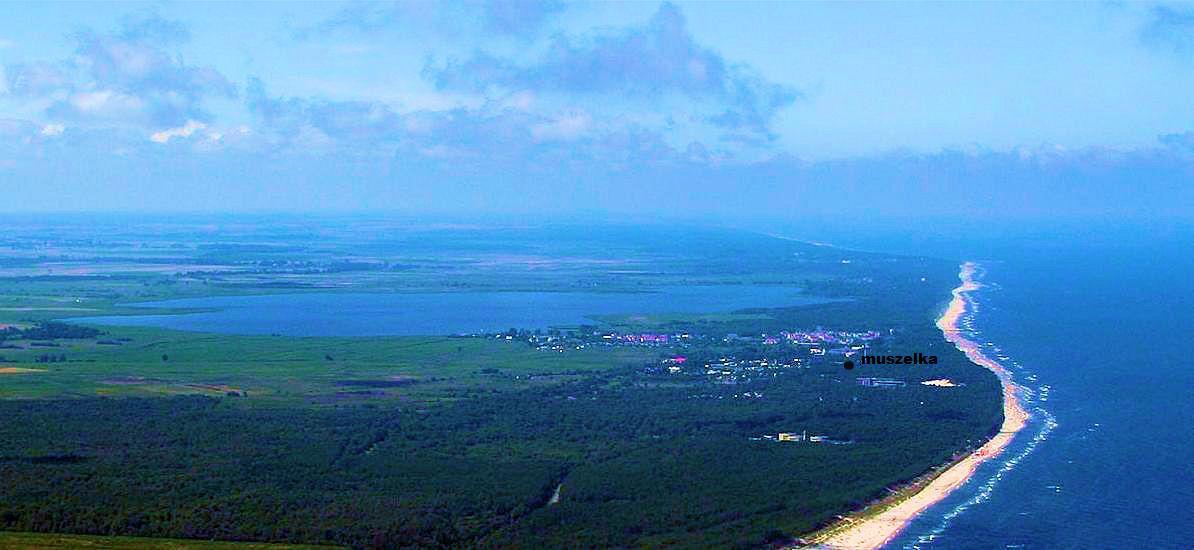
873 529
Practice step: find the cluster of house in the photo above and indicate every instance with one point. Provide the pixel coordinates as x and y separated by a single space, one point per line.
809 344
821 336
801 437
743 395
876 382
648 338
560 341
825 342
729 369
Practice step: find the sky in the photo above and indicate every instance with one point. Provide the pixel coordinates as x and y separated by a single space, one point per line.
720 110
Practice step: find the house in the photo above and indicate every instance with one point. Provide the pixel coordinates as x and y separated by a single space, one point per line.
792 436
876 382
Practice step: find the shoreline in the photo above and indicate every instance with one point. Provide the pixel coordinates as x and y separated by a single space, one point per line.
873 529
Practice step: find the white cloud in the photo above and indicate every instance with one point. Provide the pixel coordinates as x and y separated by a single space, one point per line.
132 77
51 130
184 131
522 100
105 103
568 127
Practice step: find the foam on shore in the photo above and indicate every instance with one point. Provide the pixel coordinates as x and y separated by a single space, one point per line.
876 530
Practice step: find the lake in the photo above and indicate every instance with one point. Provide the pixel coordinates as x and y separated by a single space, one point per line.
442 313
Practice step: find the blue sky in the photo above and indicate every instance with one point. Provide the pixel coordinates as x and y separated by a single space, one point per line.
672 109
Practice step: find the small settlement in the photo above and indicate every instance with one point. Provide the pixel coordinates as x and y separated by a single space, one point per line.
725 359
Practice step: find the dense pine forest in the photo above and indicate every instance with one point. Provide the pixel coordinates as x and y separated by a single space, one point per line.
638 459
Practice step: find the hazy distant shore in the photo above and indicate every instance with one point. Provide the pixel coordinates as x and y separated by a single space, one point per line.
880 523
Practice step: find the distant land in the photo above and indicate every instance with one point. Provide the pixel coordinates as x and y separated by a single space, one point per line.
727 419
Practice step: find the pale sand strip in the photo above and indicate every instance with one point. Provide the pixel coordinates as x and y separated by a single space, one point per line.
871 529
18 370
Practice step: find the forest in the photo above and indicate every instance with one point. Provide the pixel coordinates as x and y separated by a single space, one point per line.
639 459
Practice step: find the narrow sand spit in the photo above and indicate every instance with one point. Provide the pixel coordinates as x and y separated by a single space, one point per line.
871 529
18 370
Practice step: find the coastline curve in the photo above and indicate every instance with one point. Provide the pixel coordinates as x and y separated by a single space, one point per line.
874 529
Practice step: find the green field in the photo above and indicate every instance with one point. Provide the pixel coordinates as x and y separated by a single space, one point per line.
156 362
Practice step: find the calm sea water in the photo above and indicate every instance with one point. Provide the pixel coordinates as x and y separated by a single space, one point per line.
441 313
1100 337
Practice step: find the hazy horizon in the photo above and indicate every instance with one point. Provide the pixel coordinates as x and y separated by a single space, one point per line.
657 109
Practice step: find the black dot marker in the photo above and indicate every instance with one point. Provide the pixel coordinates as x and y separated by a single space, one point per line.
848 364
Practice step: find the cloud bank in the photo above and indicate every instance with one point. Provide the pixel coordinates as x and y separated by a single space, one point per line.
641 118
126 77
647 63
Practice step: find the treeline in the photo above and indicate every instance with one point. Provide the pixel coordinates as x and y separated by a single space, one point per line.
50 358
49 330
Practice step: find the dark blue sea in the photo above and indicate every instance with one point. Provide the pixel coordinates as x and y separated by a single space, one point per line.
1098 328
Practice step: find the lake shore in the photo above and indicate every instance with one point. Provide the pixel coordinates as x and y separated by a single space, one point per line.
880 523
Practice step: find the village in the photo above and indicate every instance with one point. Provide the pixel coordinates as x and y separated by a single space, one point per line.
725 359
729 358
817 341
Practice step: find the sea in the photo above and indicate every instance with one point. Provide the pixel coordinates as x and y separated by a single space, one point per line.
1097 326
